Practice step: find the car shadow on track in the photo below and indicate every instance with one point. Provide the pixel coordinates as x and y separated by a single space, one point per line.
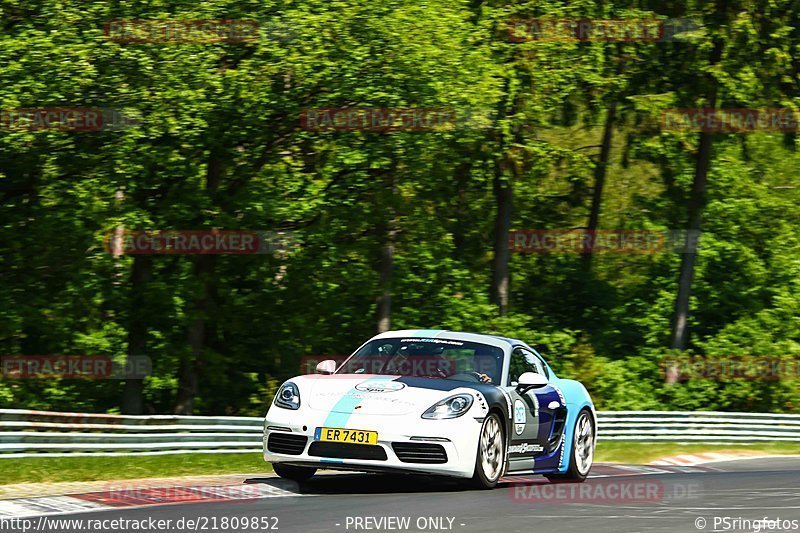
358 483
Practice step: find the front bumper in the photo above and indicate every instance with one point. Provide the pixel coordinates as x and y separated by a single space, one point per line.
457 437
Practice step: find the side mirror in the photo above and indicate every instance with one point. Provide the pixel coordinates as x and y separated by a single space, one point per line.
531 380
326 367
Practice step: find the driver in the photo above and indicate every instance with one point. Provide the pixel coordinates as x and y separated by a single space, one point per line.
482 363
418 360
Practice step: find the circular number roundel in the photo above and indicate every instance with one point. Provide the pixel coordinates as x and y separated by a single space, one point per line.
519 416
386 386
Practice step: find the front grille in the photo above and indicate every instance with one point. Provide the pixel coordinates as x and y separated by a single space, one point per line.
287 443
338 450
420 453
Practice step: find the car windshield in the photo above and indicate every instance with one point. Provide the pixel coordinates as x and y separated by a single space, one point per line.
427 357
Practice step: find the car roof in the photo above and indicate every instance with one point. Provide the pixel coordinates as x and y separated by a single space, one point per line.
495 340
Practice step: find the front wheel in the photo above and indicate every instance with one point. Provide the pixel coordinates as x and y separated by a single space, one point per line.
294 473
491 457
582 456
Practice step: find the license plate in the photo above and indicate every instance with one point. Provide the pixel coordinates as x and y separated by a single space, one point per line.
351 436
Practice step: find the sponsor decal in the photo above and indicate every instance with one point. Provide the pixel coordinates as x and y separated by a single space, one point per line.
435 341
388 386
519 417
355 396
525 447
553 405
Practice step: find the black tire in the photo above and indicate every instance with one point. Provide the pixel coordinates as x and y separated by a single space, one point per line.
295 473
578 470
495 455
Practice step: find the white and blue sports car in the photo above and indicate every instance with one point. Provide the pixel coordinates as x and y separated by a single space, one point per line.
436 402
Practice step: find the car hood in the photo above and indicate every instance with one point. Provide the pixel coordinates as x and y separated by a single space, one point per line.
365 394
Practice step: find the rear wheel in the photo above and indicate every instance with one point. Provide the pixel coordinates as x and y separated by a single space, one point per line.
582 455
491 457
295 473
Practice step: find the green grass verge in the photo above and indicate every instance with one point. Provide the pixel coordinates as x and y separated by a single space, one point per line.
632 452
55 469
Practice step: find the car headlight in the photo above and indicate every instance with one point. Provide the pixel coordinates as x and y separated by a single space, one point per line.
451 407
288 397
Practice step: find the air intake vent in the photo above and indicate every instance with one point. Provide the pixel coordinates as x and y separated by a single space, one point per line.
287 443
557 429
430 454
338 450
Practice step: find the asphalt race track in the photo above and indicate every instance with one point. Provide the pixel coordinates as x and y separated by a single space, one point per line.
616 499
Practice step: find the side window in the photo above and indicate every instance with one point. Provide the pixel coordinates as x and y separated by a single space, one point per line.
540 362
521 361
537 362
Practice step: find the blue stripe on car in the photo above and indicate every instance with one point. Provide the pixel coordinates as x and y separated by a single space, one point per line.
341 412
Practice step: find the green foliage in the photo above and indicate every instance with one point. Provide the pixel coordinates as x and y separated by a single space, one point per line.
87 468
535 110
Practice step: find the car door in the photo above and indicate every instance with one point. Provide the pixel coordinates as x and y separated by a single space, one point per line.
534 414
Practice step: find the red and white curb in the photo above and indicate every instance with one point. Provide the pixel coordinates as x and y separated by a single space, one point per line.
133 497
710 457
700 459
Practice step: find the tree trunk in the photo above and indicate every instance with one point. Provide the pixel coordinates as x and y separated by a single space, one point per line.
599 184
504 197
505 169
141 272
385 287
190 367
387 233
697 200
461 174
600 172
